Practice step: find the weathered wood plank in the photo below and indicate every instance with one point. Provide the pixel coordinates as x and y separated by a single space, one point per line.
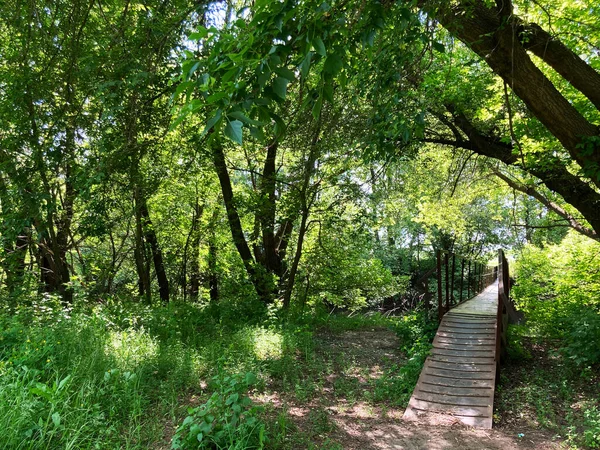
457 382
458 379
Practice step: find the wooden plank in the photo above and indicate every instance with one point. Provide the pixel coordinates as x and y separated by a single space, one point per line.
462 366
466 332
465 411
457 382
466 336
458 379
445 373
467 353
465 326
449 343
459 391
462 359
472 346
448 398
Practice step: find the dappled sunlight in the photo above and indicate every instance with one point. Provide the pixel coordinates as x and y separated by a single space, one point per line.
267 344
131 347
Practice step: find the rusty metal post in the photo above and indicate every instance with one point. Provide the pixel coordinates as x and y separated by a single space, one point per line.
452 279
469 281
499 322
447 283
462 276
439 284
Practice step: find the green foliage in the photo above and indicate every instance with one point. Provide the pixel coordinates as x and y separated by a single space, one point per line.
226 420
558 288
592 423
416 333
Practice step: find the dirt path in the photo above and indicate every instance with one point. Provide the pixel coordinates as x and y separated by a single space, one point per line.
344 414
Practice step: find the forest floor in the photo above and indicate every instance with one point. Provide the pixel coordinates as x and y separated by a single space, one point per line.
343 411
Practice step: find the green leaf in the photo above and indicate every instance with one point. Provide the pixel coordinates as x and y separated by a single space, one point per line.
56 419
233 130
333 64
258 134
197 35
285 73
316 110
229 75
263 76
238 115
64 381
212 122
200 436
370 40
233 398
181 87
250 378
305 65
280 87
438 46
328 92
319 46
216 97
280 126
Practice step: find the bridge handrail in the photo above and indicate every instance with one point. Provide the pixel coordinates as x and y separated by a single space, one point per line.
477 279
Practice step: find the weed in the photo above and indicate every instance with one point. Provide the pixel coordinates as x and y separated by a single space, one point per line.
227 420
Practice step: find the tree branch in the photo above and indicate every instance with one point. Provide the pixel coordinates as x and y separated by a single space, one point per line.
555 207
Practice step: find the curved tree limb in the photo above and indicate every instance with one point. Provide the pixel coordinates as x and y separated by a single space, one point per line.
553 206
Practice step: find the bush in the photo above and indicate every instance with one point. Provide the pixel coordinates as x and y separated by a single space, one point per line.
558 288
227 420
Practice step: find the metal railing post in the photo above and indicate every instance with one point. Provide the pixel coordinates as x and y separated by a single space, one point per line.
462 276
469 280
439 283
447 283
452 279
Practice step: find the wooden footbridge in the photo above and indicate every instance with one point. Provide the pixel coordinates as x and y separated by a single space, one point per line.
457 383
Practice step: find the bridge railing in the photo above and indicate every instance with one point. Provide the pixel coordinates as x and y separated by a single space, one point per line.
459 279
506 308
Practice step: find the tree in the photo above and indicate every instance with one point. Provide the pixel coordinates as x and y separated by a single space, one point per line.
503 40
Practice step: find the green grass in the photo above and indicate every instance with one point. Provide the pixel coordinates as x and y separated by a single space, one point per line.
118 375
541 387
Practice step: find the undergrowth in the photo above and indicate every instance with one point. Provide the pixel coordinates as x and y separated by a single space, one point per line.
553 369
117 374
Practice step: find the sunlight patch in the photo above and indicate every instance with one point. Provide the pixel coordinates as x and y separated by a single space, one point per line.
131 347
268 344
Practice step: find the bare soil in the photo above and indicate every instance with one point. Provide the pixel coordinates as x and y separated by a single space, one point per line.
331 421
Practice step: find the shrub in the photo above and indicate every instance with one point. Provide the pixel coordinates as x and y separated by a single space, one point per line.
558 288
227 420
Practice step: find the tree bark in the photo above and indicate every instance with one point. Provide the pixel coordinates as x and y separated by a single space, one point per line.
305 205
141 263
213 277
260 279
495 37
195 252
159 266
562 59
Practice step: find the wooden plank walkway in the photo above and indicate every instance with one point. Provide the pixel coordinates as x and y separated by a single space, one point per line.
457 382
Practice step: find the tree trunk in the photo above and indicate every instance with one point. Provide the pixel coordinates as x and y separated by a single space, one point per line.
267 211
305 204
159 267
494 36
553 173
213 278
195 251
262 281
141 263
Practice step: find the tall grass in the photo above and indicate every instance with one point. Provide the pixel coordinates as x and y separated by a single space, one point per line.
122 374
